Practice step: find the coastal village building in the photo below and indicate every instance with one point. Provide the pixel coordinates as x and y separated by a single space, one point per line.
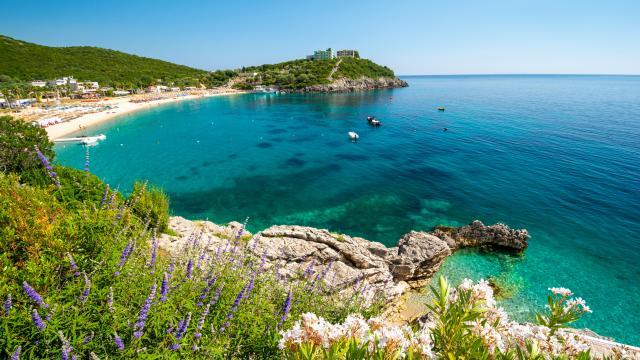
67 80
348 53
322 55
38 83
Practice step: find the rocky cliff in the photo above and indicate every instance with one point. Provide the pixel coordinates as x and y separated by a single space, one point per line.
344 263
361 84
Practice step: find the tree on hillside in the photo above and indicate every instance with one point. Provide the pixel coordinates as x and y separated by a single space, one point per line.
17 141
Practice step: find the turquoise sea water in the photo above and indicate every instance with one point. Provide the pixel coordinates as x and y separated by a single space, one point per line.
558 155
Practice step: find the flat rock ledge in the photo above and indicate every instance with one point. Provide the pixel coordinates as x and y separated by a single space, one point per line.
345 263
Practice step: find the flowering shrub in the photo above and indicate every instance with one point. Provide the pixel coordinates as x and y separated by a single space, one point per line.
84 278
465 323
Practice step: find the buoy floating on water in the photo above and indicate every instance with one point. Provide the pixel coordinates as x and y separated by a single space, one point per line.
441 108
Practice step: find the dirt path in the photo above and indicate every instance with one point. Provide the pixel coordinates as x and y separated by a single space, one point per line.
333 71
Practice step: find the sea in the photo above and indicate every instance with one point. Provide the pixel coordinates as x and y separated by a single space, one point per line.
558 155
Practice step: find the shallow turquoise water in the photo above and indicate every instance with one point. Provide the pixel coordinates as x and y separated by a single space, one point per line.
558 155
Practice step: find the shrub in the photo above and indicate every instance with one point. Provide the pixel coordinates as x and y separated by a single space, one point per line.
464 324
17 141
152 203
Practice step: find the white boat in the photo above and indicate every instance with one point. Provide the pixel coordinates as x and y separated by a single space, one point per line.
84 139
353 135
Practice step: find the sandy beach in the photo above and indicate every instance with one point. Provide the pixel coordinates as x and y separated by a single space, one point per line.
122 106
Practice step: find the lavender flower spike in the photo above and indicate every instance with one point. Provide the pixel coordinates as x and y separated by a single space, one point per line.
33 294
16 354
86 160
181 331
190 269
87 288
124 256
285 309
104 195
154 252
164 288
142 317
203 317
48 166
118 341
8 304
74 266
37 320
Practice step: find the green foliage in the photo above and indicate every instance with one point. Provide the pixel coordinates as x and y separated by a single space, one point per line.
219 78
452 334
354 68
23 61
152 203
17 141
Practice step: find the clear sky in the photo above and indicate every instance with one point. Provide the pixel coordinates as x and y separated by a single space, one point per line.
410 36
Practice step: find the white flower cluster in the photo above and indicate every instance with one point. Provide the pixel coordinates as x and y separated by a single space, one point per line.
373 333
493 327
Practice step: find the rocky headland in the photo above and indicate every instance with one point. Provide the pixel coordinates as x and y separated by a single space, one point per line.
361 84
348 263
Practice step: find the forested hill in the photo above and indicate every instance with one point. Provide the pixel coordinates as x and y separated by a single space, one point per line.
23 61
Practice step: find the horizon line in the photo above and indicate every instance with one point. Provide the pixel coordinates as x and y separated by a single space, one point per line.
520 74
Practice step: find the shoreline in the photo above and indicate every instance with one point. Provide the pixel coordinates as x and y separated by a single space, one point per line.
123 106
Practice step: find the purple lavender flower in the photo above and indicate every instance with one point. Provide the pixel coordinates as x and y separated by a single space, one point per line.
142 317
250 286
181 331
65 353
203 317
86 160
8 304
234 308
190 269
121 211
50 313
87 288
215 297
124 256
37 320
112 198
206 290
356 284
118 341
164 288
89 338
170 329
154 252
285 309
74 266
170 270
104 195
16 354
110 301
309 270
33 294
48 166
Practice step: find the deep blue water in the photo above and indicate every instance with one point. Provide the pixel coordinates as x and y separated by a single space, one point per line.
558 155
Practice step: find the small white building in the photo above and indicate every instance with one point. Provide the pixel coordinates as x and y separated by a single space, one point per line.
67 80
121 93
38 83
175 88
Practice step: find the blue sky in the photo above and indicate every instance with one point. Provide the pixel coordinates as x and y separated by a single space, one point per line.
410 36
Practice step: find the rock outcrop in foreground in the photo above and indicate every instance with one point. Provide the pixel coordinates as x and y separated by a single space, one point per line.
364 83
346 263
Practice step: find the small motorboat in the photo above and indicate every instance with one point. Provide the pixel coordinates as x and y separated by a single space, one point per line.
353 135
86 140
370 119
441 108
375 122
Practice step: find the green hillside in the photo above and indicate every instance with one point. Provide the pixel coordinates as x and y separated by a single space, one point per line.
298 74
23 61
